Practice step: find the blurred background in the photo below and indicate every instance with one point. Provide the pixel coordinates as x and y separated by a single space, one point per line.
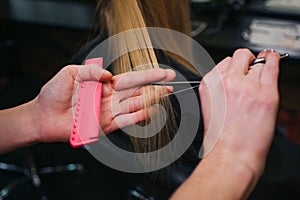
39 37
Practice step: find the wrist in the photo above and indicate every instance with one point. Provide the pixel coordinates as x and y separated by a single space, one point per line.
19 127
34 121
240 153
229 178
218 177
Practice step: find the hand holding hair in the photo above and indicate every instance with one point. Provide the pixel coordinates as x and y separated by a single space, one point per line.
48 117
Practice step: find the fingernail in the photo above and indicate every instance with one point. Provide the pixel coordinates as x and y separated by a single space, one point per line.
170 89
171 73
107 72
273 51
263 52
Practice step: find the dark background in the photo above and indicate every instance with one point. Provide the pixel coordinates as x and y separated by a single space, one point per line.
39 37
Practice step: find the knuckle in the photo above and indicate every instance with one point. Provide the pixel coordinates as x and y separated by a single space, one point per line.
242 51
229 82
70 67
67 69
228 58
268 101
137 117
106 127
202 87
160 71
134 103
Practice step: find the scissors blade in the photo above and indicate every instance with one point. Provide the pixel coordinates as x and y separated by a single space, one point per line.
175 83
180 91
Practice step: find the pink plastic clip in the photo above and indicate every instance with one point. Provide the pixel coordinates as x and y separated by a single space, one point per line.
86 123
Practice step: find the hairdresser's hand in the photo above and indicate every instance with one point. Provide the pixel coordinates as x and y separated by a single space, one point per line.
251 104
239 106
122 101
54 105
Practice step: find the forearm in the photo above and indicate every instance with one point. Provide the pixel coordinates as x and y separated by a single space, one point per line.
218 178
19 127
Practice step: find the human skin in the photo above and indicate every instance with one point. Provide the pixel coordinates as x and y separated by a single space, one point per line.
234 165
49 116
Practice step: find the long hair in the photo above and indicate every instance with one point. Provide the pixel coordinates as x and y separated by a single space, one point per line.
117 16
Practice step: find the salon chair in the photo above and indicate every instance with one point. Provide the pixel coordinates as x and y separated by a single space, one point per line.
30 173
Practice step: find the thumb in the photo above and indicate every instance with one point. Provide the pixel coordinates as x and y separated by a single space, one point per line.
92 72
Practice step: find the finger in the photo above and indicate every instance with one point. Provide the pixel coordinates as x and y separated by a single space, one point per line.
170 89
241 60
170 75
270 71
254 71
92 72
126 104
224 65
139 78
122 95
124 120
205 104
262 54
132 104
135 103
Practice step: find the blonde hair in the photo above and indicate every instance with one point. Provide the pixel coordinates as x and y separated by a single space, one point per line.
117 16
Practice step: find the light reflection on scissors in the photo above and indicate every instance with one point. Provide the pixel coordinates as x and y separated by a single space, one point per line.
189 83
174 83
263 59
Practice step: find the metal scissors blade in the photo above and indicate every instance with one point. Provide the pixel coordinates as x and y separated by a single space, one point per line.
263 59
174 83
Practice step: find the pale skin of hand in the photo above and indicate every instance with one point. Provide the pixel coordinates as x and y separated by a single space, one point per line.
122 101
49 117
235 164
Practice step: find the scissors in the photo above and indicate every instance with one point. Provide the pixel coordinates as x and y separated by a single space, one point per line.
263 59
173 83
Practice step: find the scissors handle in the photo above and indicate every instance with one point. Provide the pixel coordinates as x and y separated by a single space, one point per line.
263 59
